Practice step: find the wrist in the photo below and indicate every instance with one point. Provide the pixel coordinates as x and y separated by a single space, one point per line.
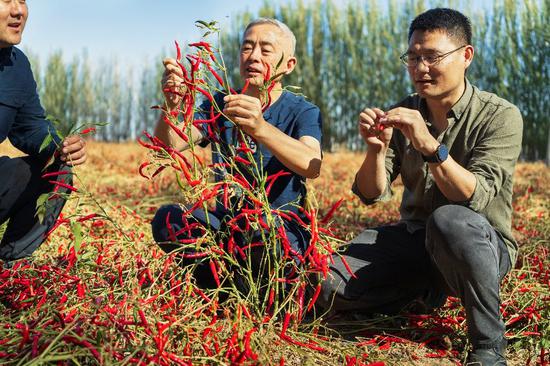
261 132
377 149
439 156
430 148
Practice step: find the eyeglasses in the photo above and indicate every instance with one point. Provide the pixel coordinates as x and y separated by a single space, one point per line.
411 60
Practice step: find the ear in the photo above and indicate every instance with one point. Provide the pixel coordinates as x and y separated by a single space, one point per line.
290 64
468 55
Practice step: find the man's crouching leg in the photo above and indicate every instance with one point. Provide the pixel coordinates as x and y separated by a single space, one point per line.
174 231
472 258
20 188
380 271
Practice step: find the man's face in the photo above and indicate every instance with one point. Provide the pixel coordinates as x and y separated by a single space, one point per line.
13 16
445 77
264 44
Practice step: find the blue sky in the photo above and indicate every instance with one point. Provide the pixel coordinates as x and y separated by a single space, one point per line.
130 30
127 29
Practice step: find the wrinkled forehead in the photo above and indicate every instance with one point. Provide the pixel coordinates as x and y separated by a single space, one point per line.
267 34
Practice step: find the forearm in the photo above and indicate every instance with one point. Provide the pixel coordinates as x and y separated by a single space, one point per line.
165 133
455 182
371 178
296 155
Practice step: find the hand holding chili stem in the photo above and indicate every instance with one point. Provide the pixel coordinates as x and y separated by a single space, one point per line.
246 112
413 126
73 150
172 81
369 127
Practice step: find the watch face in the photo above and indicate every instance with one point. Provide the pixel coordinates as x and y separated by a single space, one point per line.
442 152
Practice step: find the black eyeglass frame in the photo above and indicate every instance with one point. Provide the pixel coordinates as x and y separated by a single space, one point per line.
438 58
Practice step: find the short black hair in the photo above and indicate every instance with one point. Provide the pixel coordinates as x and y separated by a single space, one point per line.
452 22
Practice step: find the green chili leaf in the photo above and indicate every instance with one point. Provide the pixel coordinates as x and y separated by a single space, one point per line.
47 141
41 206
280 61
76 228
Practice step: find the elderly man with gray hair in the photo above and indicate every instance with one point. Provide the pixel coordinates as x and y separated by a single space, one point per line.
284 137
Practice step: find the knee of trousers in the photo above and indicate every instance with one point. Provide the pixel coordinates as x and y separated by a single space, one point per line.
457 235
159 225
20 174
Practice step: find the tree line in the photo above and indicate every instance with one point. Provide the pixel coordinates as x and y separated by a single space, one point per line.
348 59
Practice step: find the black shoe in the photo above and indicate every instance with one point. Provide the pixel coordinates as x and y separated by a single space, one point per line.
487 356
426 304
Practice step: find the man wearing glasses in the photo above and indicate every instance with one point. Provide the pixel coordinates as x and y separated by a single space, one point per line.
455 148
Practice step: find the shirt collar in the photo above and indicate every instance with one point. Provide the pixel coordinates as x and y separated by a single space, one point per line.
456 110
460 106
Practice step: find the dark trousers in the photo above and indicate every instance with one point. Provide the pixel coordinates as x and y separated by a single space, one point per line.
458 254
20 186
169 220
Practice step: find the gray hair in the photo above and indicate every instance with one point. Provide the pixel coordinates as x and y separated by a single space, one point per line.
282 26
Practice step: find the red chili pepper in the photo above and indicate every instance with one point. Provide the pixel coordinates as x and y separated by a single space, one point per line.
87 217
239 159
310 345
24 334
272 178
271 299
243 182
214 271
215 74
80 290
245 87
174 128
247 337
35 338
314 297
83 343
330 213
267 71
58 223
149 146
63 185
87 131
55 174
225 196
206 94
268 102
178 51
345 262
300 293
202 44
142 167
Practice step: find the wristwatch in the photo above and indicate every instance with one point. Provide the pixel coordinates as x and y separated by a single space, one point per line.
441 154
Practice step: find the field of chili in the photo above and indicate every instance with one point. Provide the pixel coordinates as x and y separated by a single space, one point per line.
99 291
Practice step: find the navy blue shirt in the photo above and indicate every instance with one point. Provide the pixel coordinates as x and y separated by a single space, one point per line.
291 114
22 118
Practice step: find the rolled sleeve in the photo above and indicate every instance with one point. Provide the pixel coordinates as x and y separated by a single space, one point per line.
388 193
494 158
392 171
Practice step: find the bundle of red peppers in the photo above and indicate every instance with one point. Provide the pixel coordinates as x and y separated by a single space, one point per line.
290 281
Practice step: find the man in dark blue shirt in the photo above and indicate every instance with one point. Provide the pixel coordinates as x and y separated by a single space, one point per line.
285 137
22 121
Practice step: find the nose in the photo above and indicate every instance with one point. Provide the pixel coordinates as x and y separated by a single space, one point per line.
421 66
256 53
17 8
